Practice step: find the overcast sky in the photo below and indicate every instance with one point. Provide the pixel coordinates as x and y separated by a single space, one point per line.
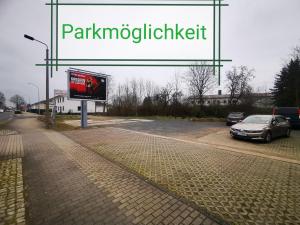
255 33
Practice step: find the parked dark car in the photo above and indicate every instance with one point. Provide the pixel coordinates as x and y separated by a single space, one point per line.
234 117
261 127
18 111
291 113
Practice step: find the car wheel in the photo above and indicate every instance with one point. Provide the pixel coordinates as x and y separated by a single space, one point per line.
233 136
288 132
268 137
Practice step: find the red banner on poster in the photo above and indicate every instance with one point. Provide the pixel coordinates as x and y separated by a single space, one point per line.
87 86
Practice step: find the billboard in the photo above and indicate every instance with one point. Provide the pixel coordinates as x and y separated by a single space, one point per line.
85 85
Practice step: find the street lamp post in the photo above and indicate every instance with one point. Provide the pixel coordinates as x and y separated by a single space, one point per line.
38 95
47 75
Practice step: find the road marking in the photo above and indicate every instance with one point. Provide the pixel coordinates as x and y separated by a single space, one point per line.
106 122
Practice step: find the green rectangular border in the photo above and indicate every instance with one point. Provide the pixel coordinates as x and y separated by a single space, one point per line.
216 61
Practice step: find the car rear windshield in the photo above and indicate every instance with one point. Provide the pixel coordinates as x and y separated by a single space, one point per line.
236 114
258 119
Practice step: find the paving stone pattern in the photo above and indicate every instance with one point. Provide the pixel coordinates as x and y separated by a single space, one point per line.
242 189
282 147
218 134
11 146
58 192
12 210
7 132
67 183
135 199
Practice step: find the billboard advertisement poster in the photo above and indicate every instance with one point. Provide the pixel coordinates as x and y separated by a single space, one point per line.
84 85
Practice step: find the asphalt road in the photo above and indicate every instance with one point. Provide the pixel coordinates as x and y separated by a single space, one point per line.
5 116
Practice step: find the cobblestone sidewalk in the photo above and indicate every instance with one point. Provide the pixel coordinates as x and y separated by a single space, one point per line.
11 145
140 201
242 189
12 209
69 184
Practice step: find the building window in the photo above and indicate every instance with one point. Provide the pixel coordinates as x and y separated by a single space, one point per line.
225 101
63 108
208 102
79 108
63 99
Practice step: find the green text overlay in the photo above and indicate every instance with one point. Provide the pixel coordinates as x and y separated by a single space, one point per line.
135 34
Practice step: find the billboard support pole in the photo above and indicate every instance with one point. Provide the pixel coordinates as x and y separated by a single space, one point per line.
83 114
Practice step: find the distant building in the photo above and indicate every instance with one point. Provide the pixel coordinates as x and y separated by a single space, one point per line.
58 92
40 105
260 99
64 105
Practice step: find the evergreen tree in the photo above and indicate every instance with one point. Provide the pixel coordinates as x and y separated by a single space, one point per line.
2 100
286 91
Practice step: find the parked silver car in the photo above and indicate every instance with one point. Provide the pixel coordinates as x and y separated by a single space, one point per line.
261 127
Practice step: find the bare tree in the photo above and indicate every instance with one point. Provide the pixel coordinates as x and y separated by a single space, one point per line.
177 93
109 90
165 94
126 89
141 88
200 79
118 96
248 98
150 88
134 94
17 100
238 83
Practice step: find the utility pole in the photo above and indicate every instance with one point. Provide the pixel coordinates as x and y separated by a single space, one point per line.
47 78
